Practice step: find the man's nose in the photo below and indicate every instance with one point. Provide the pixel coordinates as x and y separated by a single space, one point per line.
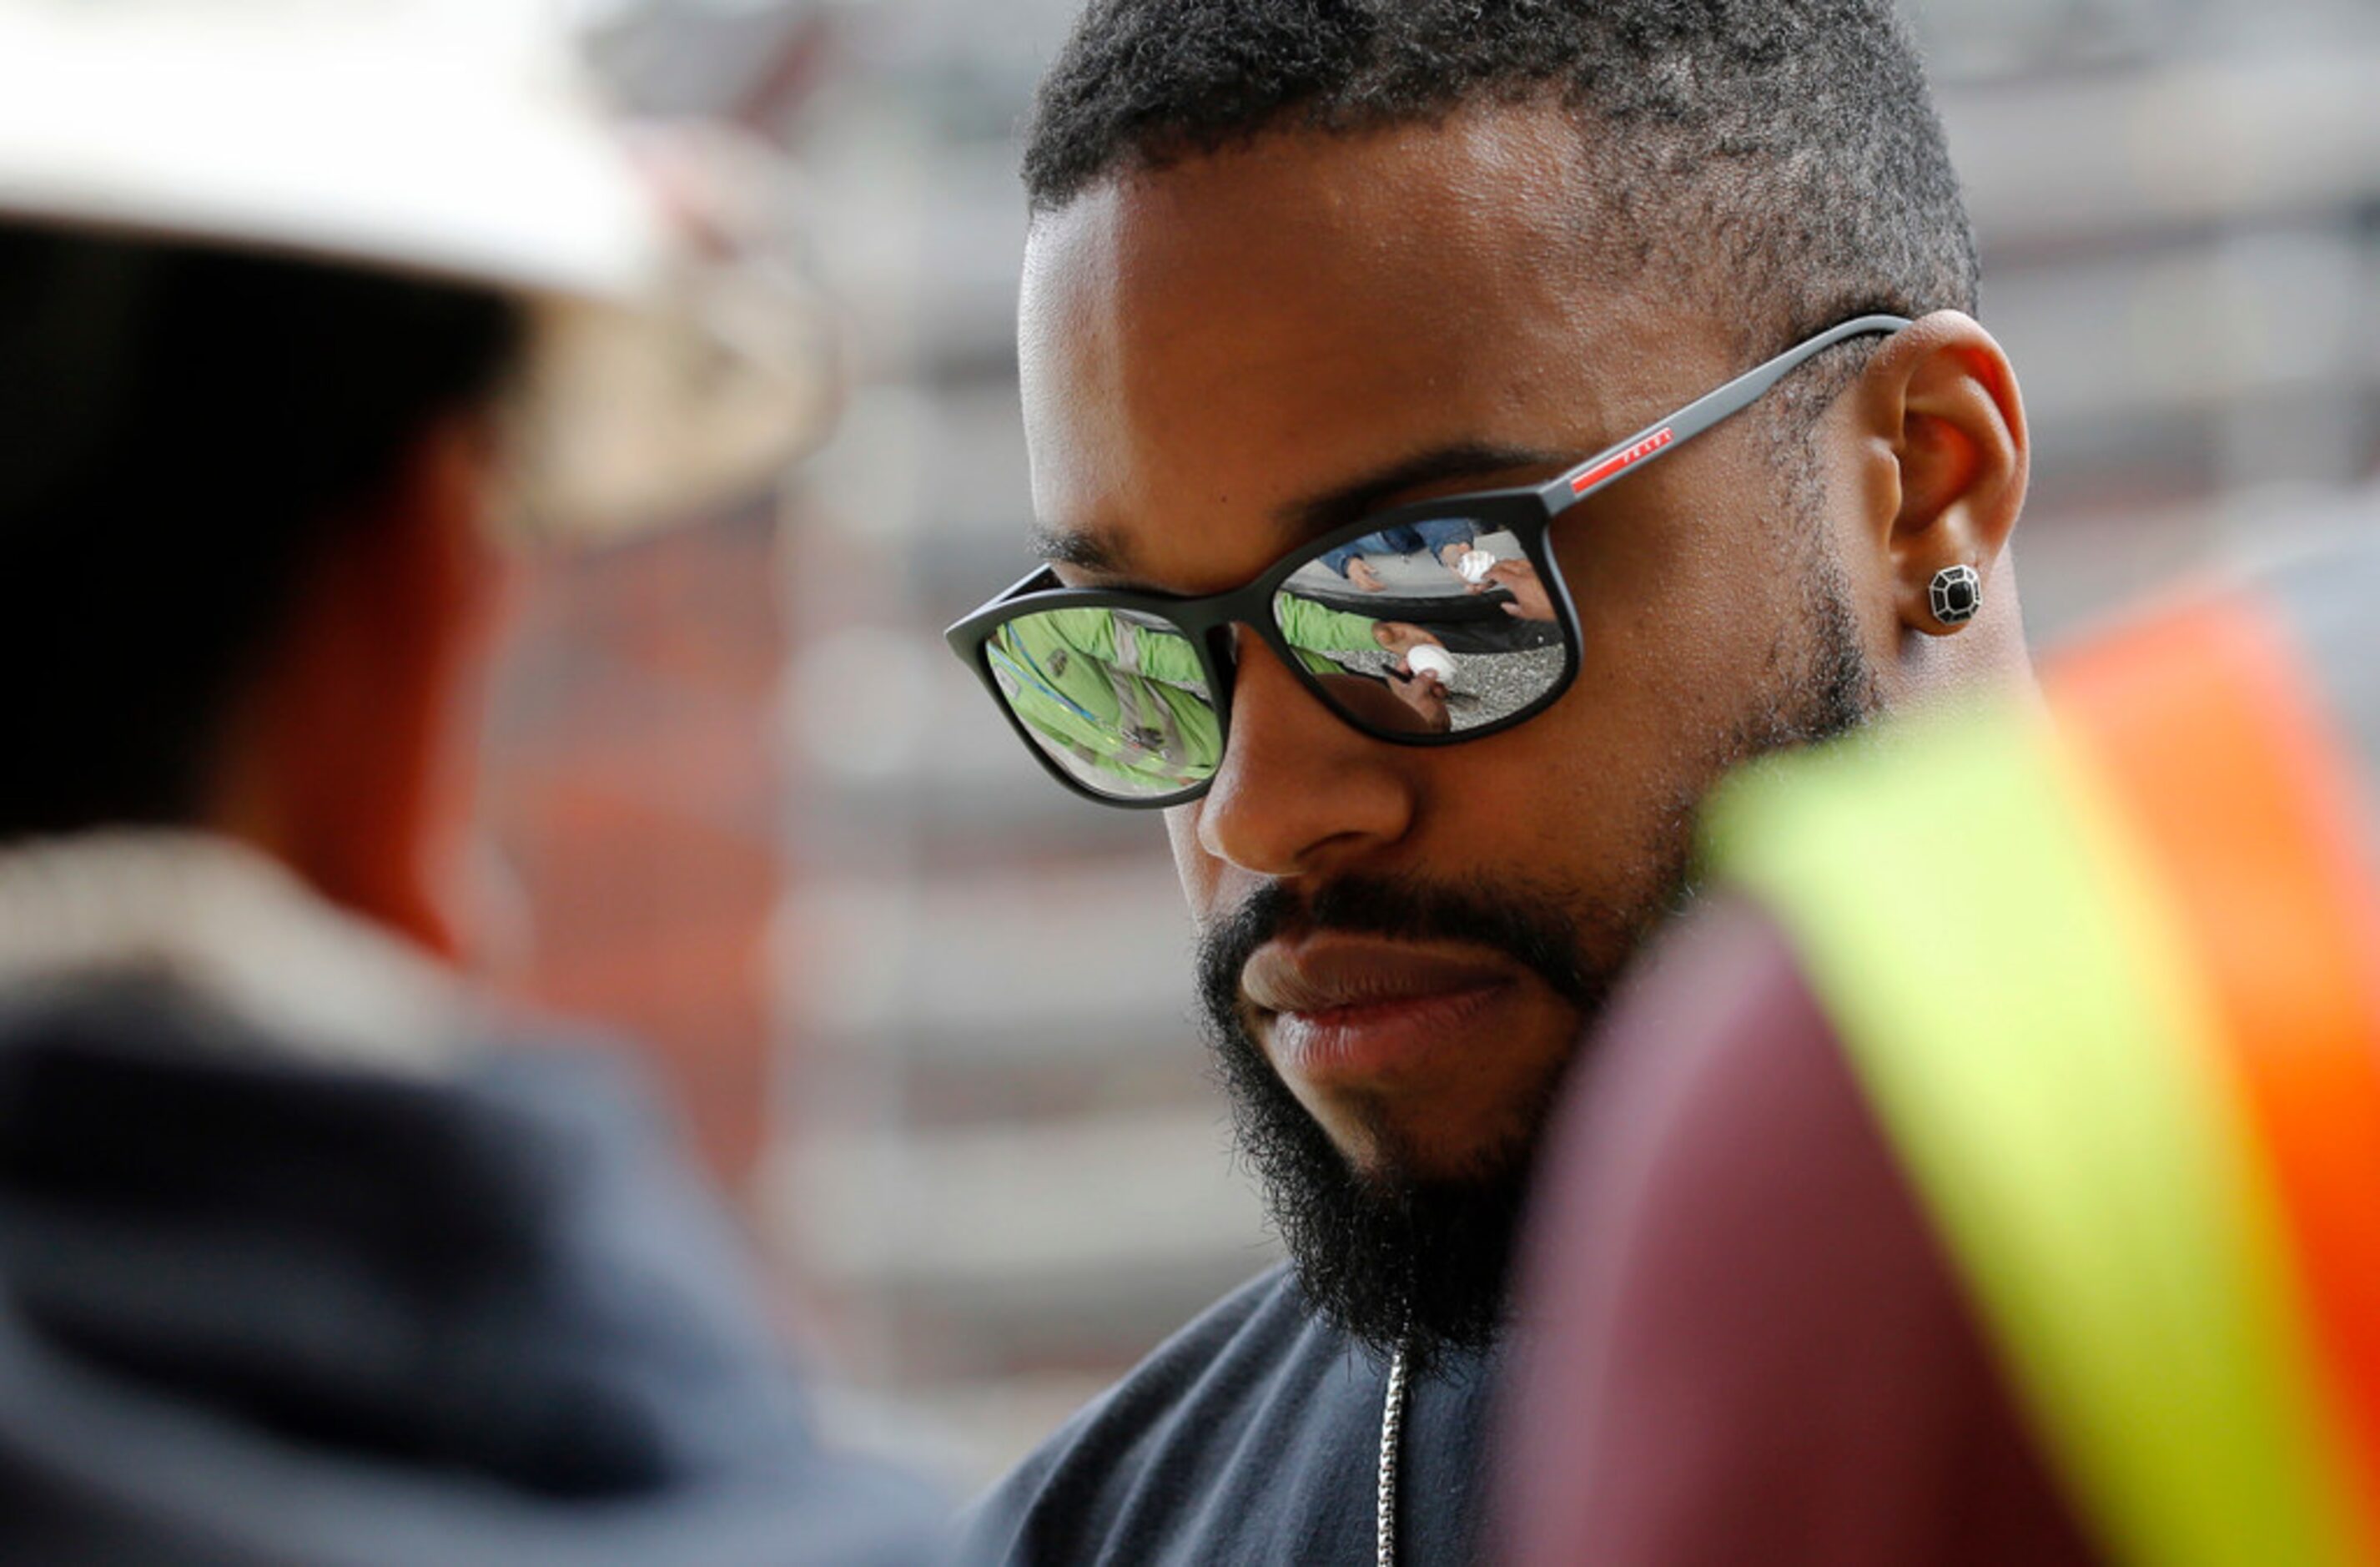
1299 792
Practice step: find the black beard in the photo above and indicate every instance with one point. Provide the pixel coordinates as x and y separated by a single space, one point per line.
1422 1263
1393 1258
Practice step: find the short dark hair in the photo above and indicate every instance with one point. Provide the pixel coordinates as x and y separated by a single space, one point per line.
1788 151
183 432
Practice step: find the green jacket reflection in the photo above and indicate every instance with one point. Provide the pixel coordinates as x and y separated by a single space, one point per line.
1129 696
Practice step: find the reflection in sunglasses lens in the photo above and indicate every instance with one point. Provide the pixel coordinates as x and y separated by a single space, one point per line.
1118 699
1429 628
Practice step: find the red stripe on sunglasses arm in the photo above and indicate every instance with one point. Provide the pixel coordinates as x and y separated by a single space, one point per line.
1621 461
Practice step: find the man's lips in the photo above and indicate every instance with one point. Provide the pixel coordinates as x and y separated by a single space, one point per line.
1358 1007
1326 974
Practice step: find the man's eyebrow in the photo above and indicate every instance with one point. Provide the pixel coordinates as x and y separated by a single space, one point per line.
1093 551
1106 552
1347 503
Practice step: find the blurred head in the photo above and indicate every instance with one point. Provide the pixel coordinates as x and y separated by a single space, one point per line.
242 505
1293 259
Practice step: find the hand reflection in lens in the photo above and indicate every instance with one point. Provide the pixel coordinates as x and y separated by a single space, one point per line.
1530 599
1443 539
1396 703
1403 637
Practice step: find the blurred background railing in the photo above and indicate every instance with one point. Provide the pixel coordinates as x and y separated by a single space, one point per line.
930 1015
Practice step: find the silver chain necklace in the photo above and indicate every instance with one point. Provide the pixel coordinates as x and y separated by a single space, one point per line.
1393 1425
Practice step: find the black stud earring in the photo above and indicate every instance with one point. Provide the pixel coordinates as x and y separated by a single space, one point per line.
1958 593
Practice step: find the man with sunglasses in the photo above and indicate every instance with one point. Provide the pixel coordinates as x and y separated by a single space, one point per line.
1666 306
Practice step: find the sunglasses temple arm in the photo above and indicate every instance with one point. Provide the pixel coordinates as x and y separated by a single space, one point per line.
1656 440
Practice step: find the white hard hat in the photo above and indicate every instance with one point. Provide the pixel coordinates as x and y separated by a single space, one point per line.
452 138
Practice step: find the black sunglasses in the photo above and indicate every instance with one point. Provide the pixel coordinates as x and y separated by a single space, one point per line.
1425 625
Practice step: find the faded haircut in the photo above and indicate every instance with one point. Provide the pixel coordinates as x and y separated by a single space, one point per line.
1783 156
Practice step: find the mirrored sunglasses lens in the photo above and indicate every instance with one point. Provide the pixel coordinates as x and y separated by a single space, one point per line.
1427 627
1120 700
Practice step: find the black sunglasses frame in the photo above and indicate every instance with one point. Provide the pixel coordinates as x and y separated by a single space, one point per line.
1526 512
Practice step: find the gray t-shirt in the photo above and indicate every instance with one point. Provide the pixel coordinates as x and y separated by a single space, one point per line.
1251 1437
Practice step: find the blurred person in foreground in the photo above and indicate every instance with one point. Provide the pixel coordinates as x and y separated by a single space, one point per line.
1667 303
311 1254
1988 1175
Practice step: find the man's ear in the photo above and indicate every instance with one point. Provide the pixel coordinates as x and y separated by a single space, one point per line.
1941 395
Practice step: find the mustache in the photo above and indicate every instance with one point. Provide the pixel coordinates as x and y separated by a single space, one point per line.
1531 931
